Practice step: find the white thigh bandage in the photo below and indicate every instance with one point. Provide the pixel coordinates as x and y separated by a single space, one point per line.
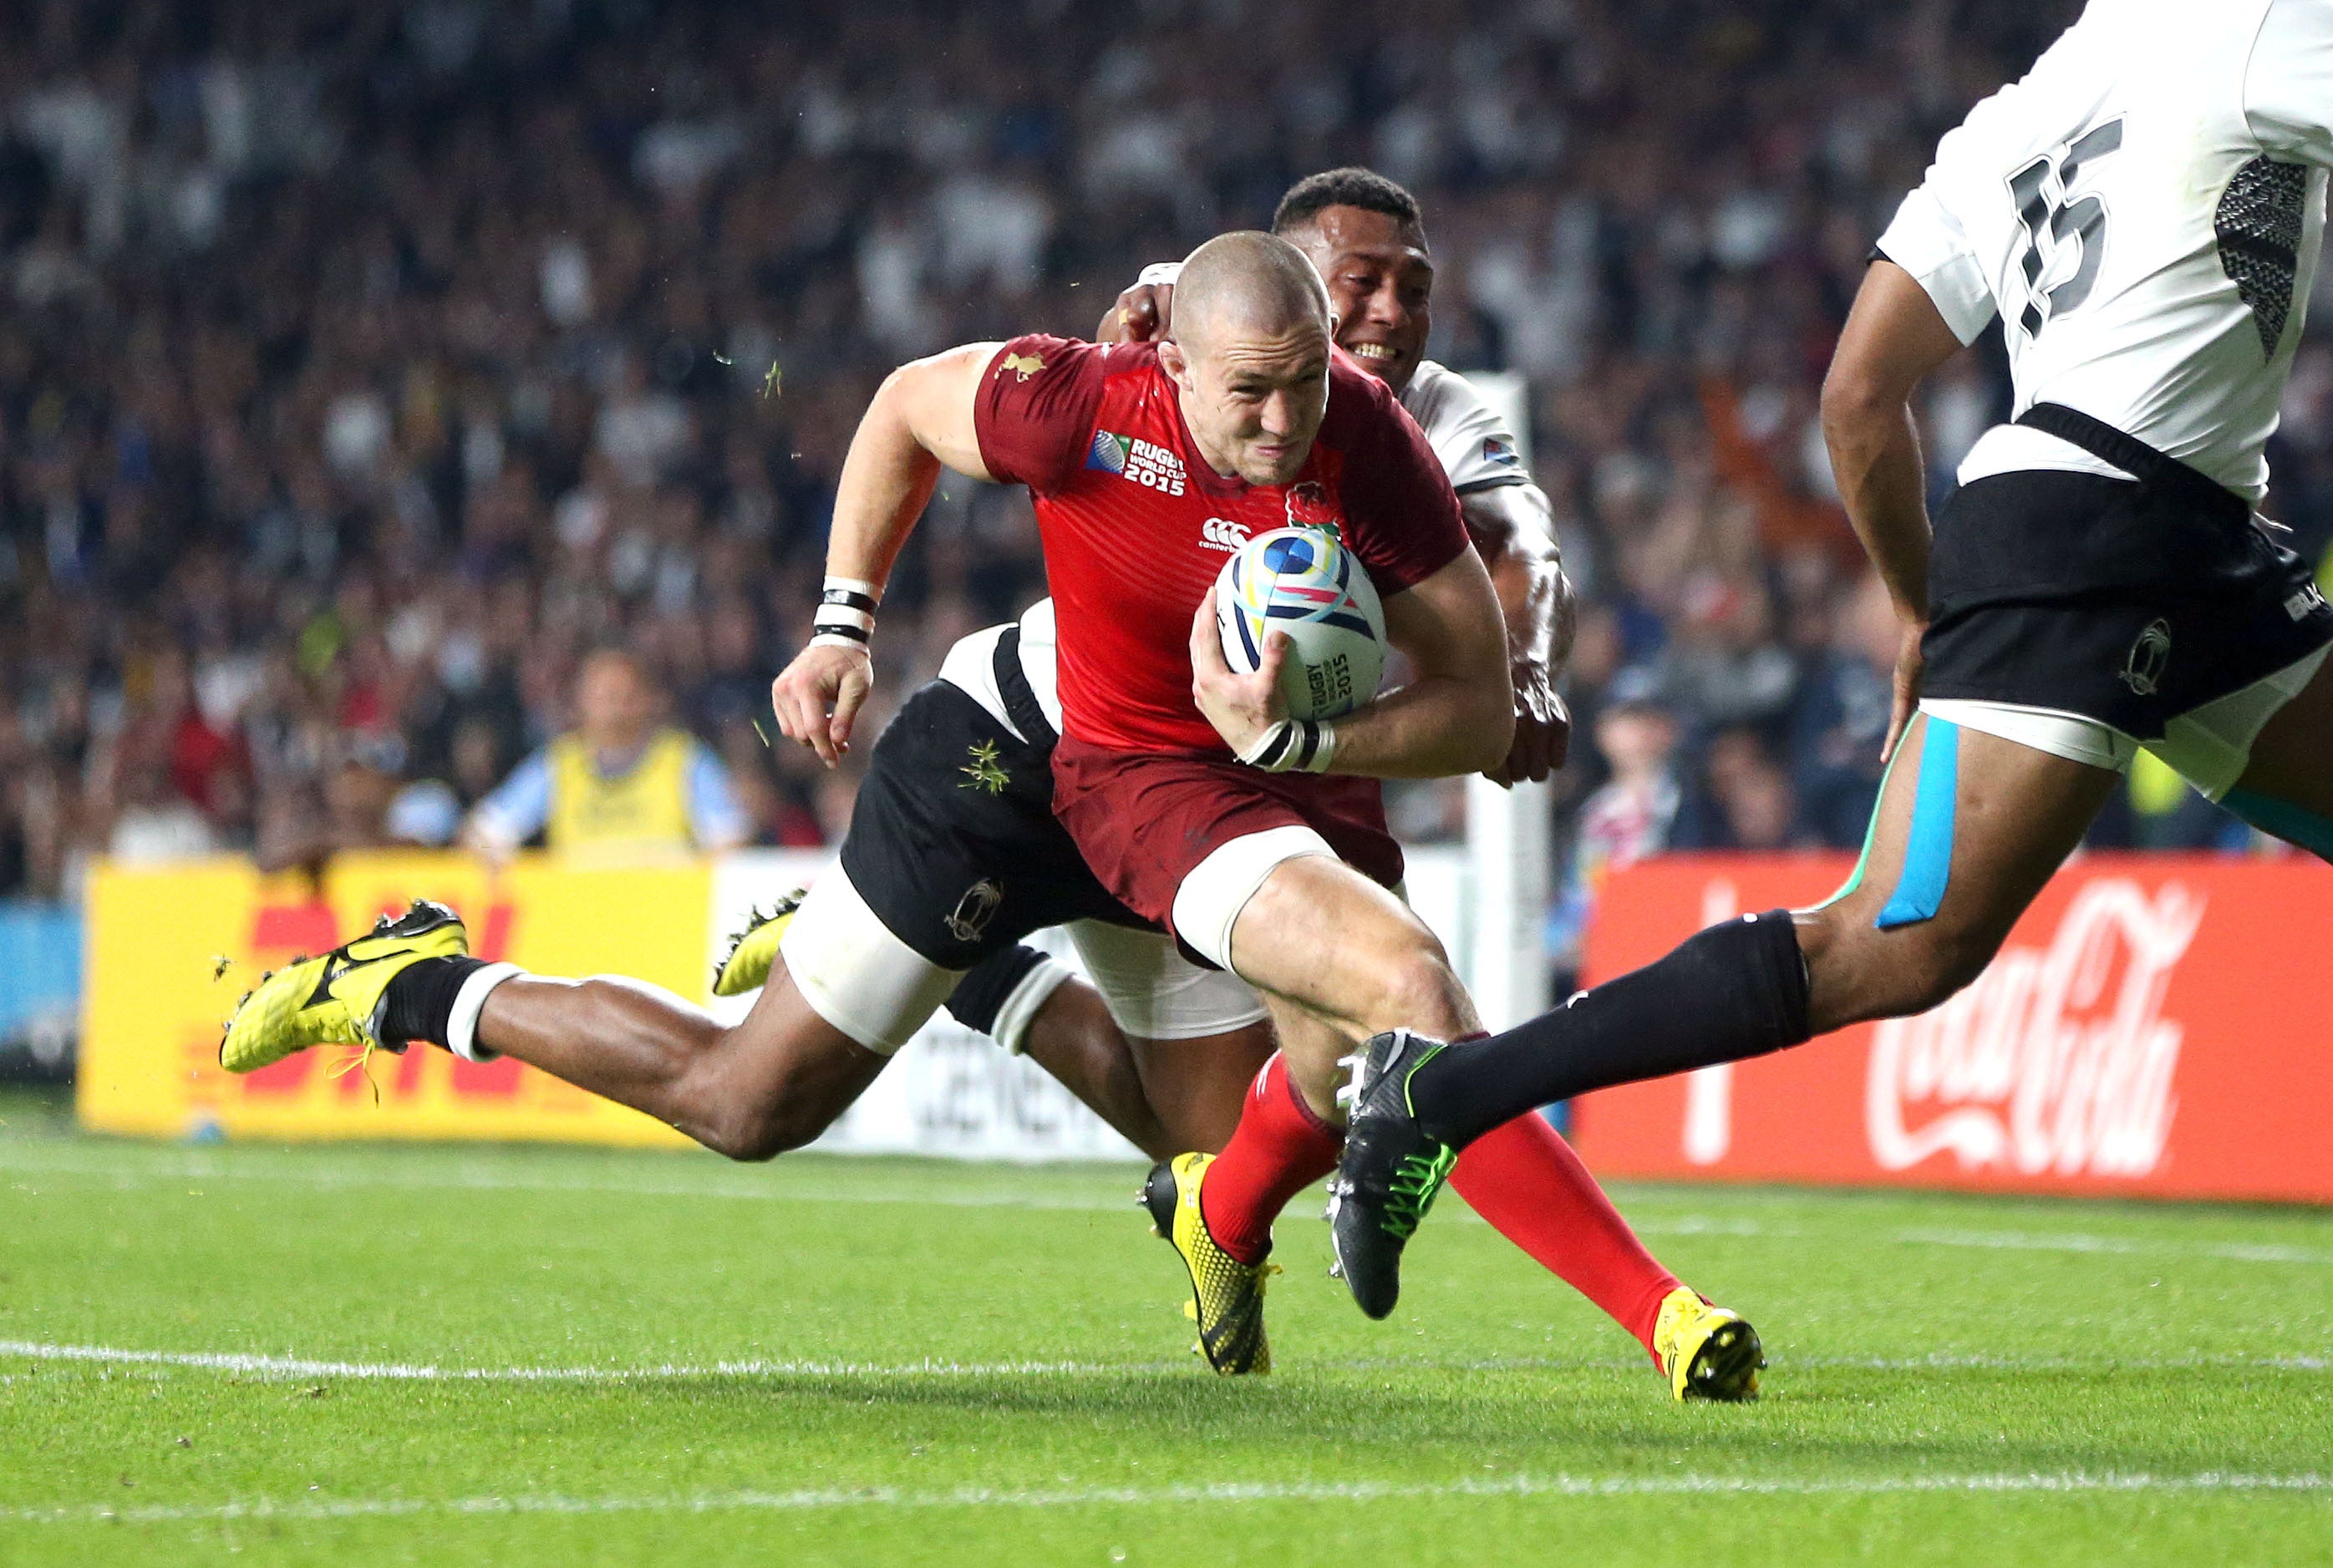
1153 992
2068 735
2209 746
1212 895
855 974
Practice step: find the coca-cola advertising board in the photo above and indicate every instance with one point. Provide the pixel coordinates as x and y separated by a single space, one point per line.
2156 1026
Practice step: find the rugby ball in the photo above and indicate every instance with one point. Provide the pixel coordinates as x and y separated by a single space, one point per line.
1305 582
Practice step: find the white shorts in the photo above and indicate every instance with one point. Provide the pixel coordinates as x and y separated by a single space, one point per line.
859 977
1213 893
2208 746
1153 992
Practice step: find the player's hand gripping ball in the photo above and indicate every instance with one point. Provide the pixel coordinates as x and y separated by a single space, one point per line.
1305 582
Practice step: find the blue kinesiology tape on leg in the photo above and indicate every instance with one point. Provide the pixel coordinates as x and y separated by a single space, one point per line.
1928 851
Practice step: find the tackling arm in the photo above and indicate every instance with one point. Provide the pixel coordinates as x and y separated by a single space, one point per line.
1513 527
920 421
1893 337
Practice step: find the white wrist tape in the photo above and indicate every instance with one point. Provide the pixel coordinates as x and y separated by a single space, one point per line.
846 613
1159 274
1293 746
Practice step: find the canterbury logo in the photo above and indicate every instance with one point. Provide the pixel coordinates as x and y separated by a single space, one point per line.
1221 533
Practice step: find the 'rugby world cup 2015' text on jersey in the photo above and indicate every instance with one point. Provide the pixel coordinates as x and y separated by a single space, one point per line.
2143 211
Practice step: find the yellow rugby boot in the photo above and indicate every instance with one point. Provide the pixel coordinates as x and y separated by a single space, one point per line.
1707 1351
332 1001
1226 1295
746 965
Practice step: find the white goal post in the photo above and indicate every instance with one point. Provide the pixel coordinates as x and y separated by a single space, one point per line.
1510 872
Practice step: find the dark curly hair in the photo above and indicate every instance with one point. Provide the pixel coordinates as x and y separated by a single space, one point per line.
1348 187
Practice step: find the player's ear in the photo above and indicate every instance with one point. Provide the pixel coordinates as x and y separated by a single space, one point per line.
1173 361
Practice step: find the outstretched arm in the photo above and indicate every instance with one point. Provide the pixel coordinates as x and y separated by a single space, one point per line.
1893 337
920 422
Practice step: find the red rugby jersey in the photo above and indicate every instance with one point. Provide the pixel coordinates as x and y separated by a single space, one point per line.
1136 525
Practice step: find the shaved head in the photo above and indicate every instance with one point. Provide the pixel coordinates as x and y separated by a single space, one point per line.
1250 282
1250 355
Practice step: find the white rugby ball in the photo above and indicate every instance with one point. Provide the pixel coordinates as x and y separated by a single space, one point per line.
1305 582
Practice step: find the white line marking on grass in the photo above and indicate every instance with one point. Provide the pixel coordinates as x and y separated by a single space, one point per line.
2075 1241
1706 1225
406 1371
275 1366
1559 1485
1945 1361
2080 1241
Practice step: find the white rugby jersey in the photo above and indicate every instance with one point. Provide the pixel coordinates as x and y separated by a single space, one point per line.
2143 211
1477 452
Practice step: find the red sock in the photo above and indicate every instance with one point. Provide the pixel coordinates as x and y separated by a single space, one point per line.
1278 1149
1532 1189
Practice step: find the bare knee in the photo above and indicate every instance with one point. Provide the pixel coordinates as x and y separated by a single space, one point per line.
1417 989
1942 965
765 1129
758 1116
1857 973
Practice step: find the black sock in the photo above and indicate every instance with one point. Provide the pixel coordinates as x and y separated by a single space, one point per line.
989 983
1737 990
419 1001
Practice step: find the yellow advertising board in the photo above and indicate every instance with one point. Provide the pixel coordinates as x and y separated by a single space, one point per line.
155 996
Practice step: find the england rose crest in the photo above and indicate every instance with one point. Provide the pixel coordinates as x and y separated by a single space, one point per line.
1309 506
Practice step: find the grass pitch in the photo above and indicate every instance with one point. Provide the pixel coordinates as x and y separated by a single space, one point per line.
517 1355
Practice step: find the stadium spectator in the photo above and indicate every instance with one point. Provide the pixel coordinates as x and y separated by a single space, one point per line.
1631 815
1838 720
618 787
350 807
374 368
1742 799
152 821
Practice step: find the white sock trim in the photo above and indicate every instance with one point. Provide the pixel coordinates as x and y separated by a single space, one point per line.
1027 999
461 1026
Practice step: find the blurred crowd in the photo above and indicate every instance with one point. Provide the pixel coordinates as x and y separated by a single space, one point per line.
365 365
